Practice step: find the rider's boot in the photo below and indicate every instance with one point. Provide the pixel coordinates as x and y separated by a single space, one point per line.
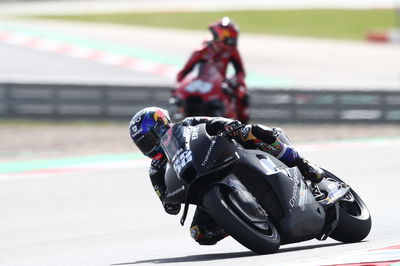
292 158
310 171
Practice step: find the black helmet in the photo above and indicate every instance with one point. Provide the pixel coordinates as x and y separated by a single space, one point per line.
147 127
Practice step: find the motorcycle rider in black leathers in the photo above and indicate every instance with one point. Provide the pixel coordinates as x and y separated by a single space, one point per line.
149 124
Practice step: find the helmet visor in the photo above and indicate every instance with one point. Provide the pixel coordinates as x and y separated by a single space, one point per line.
148 143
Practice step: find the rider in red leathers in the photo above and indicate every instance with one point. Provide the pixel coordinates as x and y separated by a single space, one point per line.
221 51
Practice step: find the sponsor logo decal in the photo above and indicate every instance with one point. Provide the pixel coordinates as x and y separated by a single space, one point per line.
298 194
195 133
135 131
173 193
293 199
182 160
208 153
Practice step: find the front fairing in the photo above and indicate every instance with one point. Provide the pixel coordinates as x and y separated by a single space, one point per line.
193 154
191 147
176 187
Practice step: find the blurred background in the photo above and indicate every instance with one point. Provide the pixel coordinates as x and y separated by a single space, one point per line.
306 62
72 73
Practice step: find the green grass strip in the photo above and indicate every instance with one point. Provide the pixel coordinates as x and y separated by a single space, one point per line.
11 167
333 23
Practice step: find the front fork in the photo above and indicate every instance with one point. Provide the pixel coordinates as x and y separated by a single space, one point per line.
335 192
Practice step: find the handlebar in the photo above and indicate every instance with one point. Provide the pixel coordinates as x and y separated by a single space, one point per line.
228 132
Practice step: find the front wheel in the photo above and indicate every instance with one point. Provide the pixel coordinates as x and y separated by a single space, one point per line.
257 233
354 217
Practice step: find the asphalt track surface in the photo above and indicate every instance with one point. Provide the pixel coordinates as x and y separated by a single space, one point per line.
30 65
103 214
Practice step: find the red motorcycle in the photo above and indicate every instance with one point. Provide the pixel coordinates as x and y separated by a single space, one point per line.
208 94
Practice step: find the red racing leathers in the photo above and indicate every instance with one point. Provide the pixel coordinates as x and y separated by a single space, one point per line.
221 55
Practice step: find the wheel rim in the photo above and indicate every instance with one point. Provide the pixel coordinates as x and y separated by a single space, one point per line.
352 205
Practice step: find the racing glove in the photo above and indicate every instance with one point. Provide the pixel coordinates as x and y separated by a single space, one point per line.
232 127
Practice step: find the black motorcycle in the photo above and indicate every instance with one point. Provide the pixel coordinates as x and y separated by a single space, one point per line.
258 200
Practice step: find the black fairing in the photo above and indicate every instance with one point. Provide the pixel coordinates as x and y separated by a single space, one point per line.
283 193
209 154
280 190
174 185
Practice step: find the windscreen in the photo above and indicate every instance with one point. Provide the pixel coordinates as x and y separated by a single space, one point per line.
172 141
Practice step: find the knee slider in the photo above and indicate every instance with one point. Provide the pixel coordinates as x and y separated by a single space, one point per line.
200 236
205 237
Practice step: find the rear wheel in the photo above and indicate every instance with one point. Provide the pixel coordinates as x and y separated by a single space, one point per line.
256 232
354 217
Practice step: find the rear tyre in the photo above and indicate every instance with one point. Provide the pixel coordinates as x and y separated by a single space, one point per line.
261 237
354 217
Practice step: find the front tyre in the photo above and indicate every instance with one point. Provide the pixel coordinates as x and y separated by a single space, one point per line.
259 236
354 217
